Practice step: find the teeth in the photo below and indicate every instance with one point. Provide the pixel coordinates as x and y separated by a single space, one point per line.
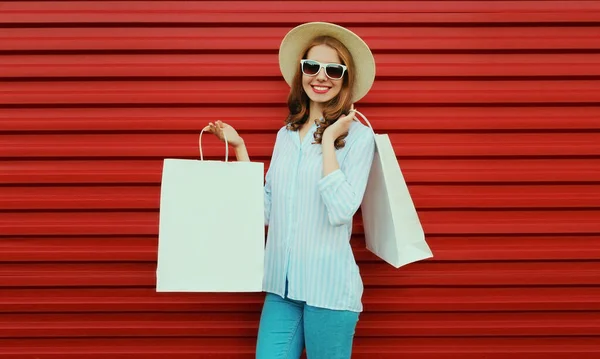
321 88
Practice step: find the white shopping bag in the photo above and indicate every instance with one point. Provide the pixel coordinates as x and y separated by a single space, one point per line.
211 233
393 231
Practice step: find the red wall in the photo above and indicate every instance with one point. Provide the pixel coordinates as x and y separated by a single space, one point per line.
492 106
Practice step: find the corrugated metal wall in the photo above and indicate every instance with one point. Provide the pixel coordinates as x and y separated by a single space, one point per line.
493 108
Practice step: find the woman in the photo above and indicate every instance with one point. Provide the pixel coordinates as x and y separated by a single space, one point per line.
315 184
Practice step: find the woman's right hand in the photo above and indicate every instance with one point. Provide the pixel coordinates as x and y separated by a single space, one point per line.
222 130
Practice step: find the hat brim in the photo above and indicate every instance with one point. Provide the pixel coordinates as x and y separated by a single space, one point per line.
297 39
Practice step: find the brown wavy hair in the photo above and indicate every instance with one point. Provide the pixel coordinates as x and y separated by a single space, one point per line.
298 101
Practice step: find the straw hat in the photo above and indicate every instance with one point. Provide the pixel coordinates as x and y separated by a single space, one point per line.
297 39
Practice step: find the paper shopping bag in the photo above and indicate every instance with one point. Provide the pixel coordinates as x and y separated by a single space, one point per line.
211 232
393 231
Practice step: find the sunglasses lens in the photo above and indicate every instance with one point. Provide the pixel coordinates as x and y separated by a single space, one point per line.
310 67
335 71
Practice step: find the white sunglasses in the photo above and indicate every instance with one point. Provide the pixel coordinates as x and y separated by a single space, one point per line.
312 68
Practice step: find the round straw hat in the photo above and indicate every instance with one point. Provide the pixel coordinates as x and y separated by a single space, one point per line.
297 39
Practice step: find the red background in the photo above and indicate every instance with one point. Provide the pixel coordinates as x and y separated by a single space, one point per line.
492 106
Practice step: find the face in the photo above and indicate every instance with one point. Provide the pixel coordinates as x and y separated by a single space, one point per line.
321 88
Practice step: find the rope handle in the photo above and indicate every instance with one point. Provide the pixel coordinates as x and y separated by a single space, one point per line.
364 118
200 146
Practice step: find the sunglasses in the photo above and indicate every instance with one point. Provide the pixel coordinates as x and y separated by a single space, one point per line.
312 68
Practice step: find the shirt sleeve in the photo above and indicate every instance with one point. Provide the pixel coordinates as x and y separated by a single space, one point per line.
269 179
342 190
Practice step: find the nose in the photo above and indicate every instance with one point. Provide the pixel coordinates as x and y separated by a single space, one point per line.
321 75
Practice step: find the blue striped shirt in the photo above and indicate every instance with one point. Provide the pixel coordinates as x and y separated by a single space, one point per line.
310 219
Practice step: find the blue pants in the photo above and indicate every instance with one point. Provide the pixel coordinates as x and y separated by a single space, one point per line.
287 326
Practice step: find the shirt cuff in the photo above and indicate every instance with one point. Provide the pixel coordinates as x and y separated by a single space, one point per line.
332 180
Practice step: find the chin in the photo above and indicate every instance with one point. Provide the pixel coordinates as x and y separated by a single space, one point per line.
319 99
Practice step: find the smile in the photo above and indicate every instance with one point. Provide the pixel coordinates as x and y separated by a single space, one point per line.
320 89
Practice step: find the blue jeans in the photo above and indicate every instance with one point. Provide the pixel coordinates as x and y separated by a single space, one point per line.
287 326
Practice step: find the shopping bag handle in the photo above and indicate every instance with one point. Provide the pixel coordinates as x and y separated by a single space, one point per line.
226 146
364 118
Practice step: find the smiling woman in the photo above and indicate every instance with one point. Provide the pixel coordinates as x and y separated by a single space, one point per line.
313 188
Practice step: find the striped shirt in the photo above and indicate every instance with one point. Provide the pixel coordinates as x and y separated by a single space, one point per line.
310 219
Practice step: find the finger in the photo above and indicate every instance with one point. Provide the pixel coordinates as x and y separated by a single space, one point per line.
343 117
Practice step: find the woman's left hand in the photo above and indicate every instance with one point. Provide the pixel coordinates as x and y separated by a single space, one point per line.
340 127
